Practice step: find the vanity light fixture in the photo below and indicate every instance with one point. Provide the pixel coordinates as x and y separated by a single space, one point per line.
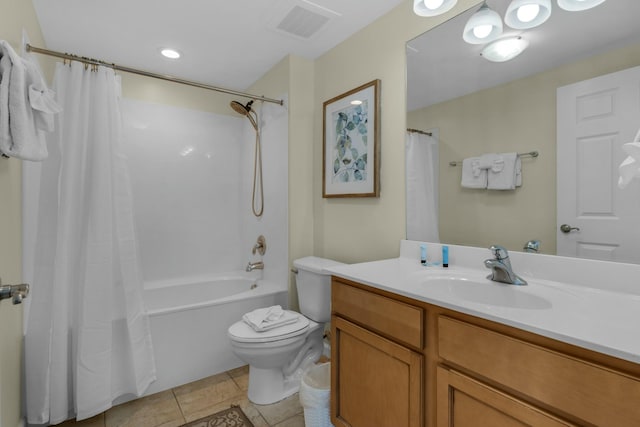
432 7
484 26
170 53
524 14
578 5
504 49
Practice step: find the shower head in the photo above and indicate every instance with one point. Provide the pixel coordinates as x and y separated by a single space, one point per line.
241 109
245 110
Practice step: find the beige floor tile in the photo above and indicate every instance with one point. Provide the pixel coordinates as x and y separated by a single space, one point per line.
280 411
97 421
254 415
200 396
157 410
241 377
242 370
295 421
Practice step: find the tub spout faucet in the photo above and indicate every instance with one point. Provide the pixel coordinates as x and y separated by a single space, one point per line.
500 266
259 265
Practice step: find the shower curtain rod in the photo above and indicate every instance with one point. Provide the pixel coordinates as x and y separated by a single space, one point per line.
419 131
92 61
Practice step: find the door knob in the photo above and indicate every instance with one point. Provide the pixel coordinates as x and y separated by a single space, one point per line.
16 292
566 228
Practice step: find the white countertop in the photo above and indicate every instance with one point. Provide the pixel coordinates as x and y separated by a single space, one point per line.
606 320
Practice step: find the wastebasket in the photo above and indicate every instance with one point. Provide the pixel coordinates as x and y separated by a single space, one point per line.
314 395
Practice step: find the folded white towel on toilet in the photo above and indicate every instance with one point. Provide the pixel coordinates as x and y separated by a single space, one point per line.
263 319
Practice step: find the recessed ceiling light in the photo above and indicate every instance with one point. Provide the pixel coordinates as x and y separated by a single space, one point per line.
170 53
356 102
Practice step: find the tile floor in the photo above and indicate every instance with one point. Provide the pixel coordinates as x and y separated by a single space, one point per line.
192 401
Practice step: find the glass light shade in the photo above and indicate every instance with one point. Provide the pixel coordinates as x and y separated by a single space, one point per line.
504 49
528 12
578 5
518 17
432 7
484 26
433 4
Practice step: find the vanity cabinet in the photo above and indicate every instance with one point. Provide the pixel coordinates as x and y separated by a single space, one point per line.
465 402
376 360
402 362
569 385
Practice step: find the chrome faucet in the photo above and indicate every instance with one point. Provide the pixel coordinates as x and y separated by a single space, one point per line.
258 265
500 266
532 246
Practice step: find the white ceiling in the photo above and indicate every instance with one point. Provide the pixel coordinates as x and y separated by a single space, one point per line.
441 66
226 43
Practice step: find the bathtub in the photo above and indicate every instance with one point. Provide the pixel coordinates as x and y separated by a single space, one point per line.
189 323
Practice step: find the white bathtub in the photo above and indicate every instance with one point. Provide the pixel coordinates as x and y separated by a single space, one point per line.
189 324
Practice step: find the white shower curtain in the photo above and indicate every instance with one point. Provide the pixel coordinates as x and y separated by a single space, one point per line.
88 339
421 153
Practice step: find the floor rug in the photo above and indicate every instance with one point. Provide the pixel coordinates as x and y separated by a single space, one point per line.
232 417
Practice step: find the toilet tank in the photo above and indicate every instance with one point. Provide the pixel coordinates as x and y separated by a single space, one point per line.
314 287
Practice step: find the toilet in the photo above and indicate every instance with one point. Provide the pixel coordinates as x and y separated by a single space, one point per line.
278 357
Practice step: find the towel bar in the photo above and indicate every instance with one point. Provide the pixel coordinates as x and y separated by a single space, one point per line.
528 154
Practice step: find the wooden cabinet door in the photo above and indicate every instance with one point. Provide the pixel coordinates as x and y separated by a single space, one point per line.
465 402
376 382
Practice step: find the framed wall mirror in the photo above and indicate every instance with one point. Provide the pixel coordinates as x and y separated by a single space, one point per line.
474 106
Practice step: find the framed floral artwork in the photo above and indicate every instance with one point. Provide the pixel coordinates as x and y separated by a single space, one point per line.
351 143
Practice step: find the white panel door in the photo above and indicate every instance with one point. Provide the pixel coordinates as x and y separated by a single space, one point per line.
595 118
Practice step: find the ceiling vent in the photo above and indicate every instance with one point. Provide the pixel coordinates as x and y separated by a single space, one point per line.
304 23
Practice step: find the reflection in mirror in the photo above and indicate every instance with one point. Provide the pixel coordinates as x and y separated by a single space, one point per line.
421 172
477 107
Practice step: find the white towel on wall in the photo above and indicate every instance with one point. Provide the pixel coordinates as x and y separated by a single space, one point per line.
486 161
42 100
7 58
472 175
263 319
502 175
26 107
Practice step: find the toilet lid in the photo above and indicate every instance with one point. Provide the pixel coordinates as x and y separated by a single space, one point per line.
242 332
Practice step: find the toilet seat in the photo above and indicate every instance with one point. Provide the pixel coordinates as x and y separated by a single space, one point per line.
241 332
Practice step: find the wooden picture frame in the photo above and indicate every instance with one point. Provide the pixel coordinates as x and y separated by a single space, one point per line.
351 143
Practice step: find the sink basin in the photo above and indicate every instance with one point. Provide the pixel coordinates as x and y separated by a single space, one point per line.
489 293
